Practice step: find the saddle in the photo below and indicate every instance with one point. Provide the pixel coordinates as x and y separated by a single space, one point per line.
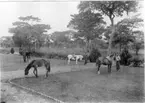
105 60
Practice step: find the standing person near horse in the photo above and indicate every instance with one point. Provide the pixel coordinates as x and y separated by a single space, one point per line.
117 61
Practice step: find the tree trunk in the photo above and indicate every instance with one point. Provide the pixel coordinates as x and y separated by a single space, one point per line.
111 37
120 47
88 46
110 41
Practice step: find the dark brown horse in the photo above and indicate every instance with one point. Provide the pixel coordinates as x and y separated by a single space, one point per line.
25 53
26 56
105 61
38 63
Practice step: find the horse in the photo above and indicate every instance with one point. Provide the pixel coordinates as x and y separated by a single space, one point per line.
38 63
26 56
74 57
105 61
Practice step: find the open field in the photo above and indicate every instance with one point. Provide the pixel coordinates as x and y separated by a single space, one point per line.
12 62
126 85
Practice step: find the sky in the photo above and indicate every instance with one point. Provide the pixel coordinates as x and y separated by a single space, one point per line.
56 14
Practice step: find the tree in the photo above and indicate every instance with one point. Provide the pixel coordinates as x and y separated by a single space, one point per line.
124 31
111 9
139 41
28 30
62 37
6 41
88 25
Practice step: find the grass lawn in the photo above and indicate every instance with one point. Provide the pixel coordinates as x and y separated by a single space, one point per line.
12 62
126 85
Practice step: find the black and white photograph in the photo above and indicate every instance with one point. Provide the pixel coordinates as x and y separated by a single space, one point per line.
65 51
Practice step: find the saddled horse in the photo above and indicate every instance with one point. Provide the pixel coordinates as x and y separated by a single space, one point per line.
74 57
38 63
105 61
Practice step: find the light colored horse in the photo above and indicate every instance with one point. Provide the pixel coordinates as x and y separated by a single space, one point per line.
74 57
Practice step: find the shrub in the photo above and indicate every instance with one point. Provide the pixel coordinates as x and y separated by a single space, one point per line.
12 50
136 61
4 51
95 53
125 56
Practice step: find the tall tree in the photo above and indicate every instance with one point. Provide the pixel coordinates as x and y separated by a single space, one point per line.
28 30
139 41
88 25
124 31
111 9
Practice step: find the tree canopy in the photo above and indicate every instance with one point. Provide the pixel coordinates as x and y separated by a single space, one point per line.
87 24
111 9
28 30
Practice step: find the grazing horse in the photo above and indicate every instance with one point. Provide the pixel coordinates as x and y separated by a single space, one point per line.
74 57
105 61
38 63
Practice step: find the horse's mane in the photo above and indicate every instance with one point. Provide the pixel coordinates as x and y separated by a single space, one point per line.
30 65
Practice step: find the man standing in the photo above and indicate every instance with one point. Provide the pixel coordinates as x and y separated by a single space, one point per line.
118 62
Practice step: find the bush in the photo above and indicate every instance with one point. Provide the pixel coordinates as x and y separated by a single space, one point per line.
4 51
95 53
50 55
125 56
136 61
12 50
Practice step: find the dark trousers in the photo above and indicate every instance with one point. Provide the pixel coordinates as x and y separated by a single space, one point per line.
117 65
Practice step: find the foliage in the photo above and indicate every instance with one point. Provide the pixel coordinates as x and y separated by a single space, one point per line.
12 50
138 42
95 53
6 41
124 31
88 24
63 38
136 61
125 56
28 31
111 9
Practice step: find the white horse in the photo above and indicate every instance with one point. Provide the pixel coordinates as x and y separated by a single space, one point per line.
74 57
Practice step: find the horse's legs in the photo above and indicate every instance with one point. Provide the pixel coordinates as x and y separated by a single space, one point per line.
86 59
68 60
109 68
36 72
24 58
76 60
99 68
